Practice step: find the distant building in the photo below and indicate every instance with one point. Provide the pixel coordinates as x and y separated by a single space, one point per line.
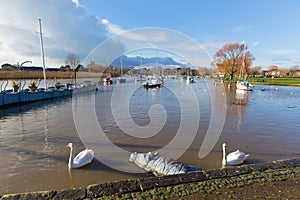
39 69
9 67
65 68
32 68
296 74
274 72
221 74
52 69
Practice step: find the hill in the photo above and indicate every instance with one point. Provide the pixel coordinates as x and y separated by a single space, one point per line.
136 61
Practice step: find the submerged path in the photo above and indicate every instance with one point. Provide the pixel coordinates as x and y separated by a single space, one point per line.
269 180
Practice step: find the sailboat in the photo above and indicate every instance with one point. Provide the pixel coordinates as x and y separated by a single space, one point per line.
154 81
121 79
189 78
107 80
243 84
139 77
43 54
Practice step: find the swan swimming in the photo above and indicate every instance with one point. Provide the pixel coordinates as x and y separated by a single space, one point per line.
234 158
83 158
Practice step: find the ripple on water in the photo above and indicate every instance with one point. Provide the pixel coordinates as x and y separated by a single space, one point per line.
33 141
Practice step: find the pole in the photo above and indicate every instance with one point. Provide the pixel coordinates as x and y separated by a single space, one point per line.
121 66
43 55
20 68
244 57
139 73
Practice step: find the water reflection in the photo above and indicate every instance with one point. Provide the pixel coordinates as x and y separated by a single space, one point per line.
46 146
12 110
241 97
72 178
241 101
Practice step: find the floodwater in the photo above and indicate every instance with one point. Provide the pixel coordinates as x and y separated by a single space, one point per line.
174 120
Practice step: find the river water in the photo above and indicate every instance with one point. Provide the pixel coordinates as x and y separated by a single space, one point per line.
179 120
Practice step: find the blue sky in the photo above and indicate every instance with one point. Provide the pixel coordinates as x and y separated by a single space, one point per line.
77 26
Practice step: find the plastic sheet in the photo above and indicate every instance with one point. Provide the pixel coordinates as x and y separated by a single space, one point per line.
159 165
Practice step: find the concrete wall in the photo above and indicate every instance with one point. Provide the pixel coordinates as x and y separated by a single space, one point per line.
10 98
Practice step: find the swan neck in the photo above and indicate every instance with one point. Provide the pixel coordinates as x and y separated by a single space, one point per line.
71 157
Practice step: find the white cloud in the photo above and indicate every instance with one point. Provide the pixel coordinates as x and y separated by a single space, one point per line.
67 28
280 51
76 2
154 38
135 35
242 28
111 28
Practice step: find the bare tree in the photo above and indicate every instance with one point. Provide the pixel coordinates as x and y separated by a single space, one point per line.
255 70
273 68
72 60
293 70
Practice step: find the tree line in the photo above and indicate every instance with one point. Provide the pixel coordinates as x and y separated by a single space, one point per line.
234 61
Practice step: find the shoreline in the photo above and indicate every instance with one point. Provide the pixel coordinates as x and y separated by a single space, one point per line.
194 184
277 84
293 82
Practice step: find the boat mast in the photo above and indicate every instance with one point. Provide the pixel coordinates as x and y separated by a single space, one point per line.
141 61
243 64
121 65
107 65
139 72
157 62
43 55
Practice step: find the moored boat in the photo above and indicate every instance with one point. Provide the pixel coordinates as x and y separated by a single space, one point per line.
243 85
154 82
107 81
190 79
121 80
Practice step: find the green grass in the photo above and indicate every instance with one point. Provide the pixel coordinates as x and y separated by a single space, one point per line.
276 81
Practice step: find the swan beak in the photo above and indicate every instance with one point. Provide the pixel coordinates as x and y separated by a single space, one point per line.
67 146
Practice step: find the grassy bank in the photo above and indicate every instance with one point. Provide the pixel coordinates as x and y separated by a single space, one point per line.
271 184
276 81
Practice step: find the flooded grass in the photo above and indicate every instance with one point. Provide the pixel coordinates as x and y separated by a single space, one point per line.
276 81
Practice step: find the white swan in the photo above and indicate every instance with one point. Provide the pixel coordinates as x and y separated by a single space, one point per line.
83 158
234 158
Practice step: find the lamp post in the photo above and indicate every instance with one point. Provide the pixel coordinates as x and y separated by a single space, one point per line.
20 68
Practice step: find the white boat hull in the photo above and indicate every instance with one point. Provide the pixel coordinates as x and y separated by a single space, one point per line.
243 86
